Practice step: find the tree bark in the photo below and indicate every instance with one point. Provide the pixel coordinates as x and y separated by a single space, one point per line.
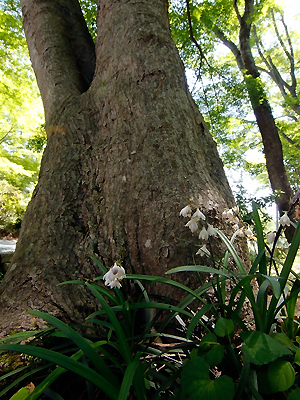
263 114
127 149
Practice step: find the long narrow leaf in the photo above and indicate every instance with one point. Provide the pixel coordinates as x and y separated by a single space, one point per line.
197 319
151 305
68 363
198 268
260 240
166 281
21 378
285 272
100 265
82 343
118 329
127 380
232 251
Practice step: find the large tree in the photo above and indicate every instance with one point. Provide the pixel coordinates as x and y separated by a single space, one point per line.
230 22
127 149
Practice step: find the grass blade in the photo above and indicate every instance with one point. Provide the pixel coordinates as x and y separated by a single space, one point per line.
67 363
82 343
118 329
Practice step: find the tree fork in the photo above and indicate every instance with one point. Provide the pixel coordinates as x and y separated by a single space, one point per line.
122 158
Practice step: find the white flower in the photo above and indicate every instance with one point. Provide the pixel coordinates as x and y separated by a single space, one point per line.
236 227
211 230
231 215
113 277
236 209
224 214
248 232
284 220
198 215
203 234
271 237
192 224
203 250
186 211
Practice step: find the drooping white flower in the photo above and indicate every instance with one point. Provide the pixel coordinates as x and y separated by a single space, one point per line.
198 215
113 277
248 232
186 211
236 209
284 220
203 234
231 215
224 214
211 230
192 224
203 250
271 237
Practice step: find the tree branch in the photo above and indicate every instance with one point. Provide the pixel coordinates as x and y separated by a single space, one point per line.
231 46
289 54
289 140
62 53
192 37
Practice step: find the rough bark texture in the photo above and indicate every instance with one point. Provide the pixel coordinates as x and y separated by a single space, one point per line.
261 108
122 158
264 117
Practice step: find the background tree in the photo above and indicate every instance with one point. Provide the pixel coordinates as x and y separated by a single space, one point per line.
206 23
20 116
127 149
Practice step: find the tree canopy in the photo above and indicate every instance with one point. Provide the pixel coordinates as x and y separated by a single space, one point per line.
21 116
203 31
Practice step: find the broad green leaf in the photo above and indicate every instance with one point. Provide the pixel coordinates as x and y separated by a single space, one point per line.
262 348
196 383
224 327
294 394
284 339
281 375
211 350
297 357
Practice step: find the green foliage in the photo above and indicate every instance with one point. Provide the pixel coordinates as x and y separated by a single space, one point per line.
197 383
220 89
12 205
89 10
125 352
21 113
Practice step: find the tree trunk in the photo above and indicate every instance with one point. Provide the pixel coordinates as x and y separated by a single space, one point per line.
127 149
264 117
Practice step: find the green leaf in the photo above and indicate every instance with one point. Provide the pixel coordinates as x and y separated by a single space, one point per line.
124 347
197 319
280 376
127 380
262 348
260 240
198 268
294 394
21 394
211 350
224 327
100 265
68 363
297 357
232 251
82 343
197 384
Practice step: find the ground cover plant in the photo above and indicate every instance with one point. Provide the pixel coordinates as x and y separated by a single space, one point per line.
135 347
